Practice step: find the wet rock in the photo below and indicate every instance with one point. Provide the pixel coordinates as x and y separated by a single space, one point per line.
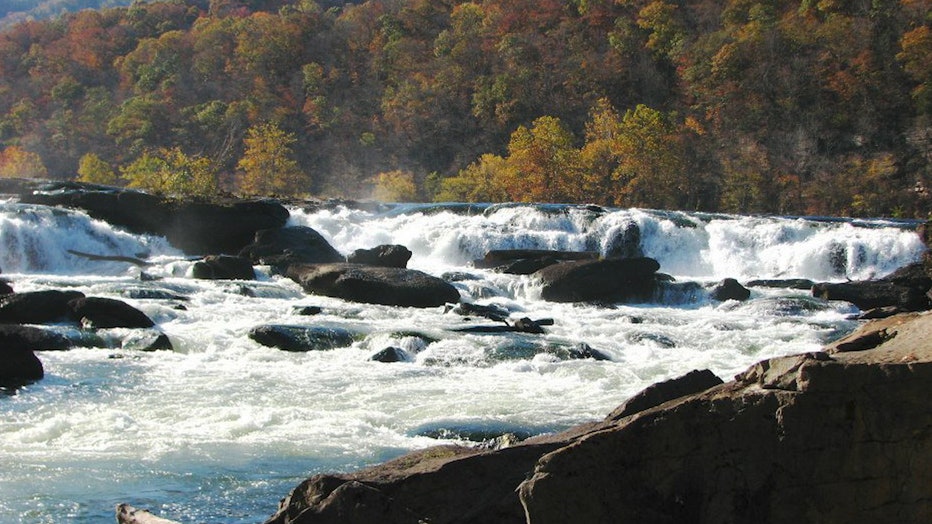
389 355
787 283
301 338
730 289
622 280
624 242
18 367
459 276
223 267
307 311
290 245
527 261
37 307
374 285
870 294
5 288
491 311
583 351
147 340
147 293
393 255
101 313
126 514
656 338
32 338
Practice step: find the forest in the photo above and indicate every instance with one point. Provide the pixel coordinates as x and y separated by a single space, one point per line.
799 107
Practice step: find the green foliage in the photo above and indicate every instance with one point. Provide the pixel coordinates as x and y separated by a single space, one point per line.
395 186
171 172
93 170
266 165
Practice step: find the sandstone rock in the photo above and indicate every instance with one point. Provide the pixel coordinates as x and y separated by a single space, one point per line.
281 247
37 307
224 267
385 255
374 285
695 381
623 280
102 313
730 289
126 514
807 437
301 338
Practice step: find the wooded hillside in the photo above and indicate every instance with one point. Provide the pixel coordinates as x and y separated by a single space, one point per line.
776 106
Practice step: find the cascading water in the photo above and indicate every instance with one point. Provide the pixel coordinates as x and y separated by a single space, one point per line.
220 428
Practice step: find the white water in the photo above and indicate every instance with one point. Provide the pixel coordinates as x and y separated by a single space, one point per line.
221 428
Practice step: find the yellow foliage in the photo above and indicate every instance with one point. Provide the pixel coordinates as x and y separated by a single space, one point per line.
395 186
16 162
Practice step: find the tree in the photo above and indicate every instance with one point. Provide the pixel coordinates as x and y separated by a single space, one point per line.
93 170
16 162
482 181
543 163
171 171
395 186
267 165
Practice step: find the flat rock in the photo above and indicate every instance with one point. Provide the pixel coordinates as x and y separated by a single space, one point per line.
374 285
615 279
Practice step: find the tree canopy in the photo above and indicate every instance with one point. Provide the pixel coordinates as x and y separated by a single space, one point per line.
773 106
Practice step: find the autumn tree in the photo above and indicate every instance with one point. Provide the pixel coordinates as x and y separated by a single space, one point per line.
16 162
171 171
267 165
482 181
395 186
543 163
94 170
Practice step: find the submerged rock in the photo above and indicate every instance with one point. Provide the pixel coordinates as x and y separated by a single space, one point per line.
374 285
301 338
389 355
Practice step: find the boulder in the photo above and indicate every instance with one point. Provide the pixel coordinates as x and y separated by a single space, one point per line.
615 279
37 307
392 255
730 289
18 367
33 338
301 338
194 226
389 355
5 288
870 294
807 437
102 313
223 267
281 247
788 283
624 241
374 285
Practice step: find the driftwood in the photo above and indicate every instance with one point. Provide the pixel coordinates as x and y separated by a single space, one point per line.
110 258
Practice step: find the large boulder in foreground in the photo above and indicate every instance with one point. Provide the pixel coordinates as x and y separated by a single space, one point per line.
389 286
194 226
818 437
614 279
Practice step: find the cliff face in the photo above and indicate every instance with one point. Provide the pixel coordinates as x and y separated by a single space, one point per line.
832 436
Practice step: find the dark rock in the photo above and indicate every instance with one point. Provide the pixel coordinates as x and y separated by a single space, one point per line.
624 242
5 288
491 311
389 355
730 289
37 307
147 340
656 338
870 294
583 350
623 280
290 245
526 266
503 258
223 267
32 338
307 311
911 275
522 325
392 255
196 227
459 276
18 367
102 313
374 285
788 283
301 338
879 312
695 381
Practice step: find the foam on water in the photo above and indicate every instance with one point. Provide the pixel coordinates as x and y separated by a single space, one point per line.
219 429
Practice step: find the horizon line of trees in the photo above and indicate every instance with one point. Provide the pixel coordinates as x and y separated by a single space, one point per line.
768 106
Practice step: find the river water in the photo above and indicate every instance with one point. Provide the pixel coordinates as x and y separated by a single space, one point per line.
219 429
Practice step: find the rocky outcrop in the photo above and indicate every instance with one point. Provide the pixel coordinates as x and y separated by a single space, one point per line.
196 227
388 255
291 245
616 279
829 436
374 285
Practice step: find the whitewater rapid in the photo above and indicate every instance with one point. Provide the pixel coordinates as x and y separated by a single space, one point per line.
220 428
